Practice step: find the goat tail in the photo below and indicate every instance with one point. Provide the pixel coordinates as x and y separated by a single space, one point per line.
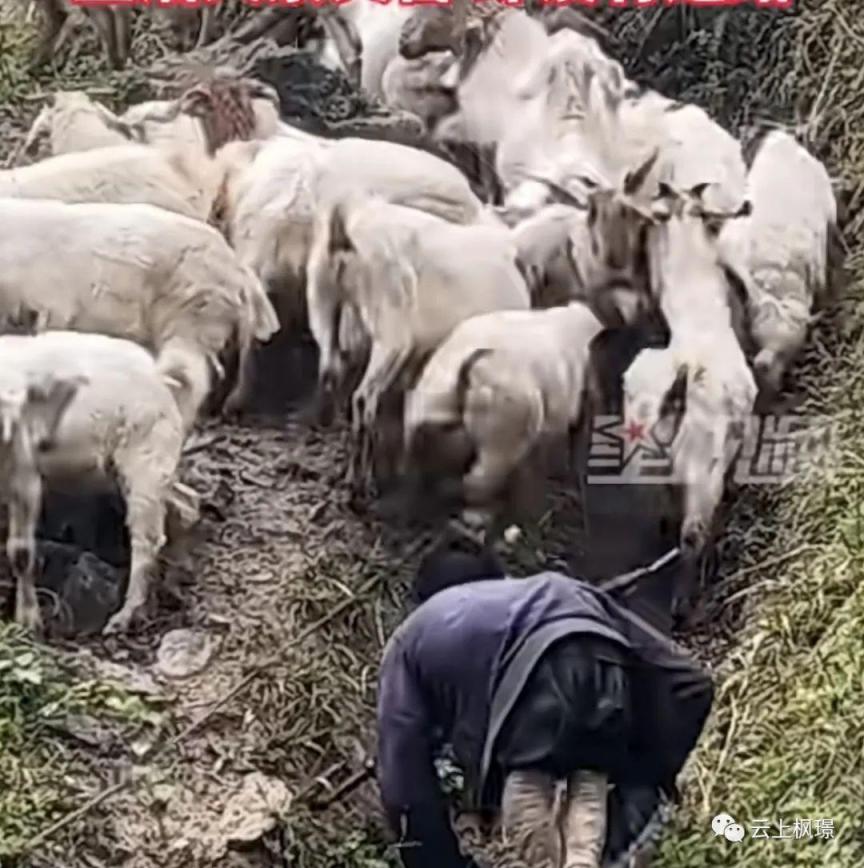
443 444
463 377
185 370
263 321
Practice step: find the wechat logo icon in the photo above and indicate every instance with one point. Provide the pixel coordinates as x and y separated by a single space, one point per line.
725 825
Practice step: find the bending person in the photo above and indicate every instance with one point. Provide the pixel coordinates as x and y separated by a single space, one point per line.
531 681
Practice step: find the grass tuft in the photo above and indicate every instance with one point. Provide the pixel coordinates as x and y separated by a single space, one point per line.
46 707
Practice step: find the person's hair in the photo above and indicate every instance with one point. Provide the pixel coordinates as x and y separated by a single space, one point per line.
447 567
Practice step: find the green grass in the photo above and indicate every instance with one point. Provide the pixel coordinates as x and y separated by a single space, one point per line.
786 737
40 698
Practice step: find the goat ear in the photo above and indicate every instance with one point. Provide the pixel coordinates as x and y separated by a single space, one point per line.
472 46
634 179
745 210
50 400
340 241
697 190
662 206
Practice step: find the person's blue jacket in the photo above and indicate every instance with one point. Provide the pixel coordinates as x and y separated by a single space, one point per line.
455 666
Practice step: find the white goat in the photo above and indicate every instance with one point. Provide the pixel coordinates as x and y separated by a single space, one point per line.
721 392
178 181
402 175
553 139
269 213
588 126
75 122
411 277
74 406
692 148
489 76
500 387
784 245
689 278
275 189
162 280
697 150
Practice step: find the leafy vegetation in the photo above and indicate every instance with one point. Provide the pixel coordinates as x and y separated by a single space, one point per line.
44 701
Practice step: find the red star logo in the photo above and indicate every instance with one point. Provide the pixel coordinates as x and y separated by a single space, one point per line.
634 431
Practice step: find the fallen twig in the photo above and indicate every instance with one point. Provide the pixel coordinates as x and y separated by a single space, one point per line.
88 806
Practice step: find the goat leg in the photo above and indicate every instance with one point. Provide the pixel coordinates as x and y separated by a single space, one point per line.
685 586
145 486
385 364
25 502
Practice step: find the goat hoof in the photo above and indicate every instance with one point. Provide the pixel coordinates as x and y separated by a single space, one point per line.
682 608
30 618
359 501
233 408
120 622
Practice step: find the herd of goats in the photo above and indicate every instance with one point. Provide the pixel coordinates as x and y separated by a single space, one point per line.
144 260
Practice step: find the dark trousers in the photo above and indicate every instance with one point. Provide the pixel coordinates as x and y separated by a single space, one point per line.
574 712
